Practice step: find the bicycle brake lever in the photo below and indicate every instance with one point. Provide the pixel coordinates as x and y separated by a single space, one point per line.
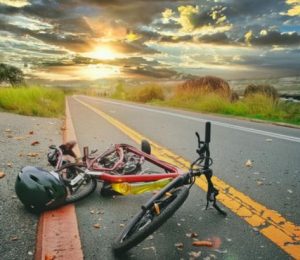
198 137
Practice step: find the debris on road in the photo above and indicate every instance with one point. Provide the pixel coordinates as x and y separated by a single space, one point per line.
14 238
35 143
202 243
179 245
9 164
194 255
2 174
32 154
249 163
97 225
192 235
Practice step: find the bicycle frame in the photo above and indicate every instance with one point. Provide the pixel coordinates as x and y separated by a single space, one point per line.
103 173
111 175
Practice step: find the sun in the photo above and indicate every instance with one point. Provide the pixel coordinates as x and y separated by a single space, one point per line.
103 53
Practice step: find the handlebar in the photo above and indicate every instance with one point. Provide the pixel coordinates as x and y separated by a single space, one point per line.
207 132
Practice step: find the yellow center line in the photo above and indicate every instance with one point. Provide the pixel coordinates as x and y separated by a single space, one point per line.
268 222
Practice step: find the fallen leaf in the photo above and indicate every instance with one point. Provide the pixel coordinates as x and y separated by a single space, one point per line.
30 253
248 163
259 183
192 235
49 257
97 225
179 245
14 238
194 254
202 243
20 138
2 174
35 143
32 154
122 225
151 237
9 164
31 133
92 211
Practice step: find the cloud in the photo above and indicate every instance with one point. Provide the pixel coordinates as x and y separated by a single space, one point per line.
294 7
15 3
186 16
248 37
217 38
269 38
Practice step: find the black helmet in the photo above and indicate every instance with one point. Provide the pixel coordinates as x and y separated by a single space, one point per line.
39 189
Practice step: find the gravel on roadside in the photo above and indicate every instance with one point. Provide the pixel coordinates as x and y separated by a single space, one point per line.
24 141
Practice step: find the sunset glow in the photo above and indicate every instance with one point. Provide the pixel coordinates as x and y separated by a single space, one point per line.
151 40
102 53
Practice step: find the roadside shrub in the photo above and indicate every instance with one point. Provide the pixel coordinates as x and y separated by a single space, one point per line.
234 97
119 92
146 93
266 90
204 85
259 104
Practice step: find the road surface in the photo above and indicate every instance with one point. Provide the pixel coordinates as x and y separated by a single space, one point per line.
266 228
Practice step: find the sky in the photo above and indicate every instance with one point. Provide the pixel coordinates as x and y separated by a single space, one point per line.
72 40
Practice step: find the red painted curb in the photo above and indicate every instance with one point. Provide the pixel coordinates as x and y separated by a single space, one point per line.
58 234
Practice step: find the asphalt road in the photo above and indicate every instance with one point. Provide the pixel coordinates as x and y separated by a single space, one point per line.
273 181
17 133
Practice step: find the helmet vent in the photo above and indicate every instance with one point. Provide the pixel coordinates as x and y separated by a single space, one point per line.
49 192
34 178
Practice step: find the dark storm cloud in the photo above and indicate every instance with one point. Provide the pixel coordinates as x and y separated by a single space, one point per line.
70 41
132 47
237 8
149 71
217 38
277 38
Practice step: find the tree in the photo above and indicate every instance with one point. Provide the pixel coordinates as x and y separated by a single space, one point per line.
11 74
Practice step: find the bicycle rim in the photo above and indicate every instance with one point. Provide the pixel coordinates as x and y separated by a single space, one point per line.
146 222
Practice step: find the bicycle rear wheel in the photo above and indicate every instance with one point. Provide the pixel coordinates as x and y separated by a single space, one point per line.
147 221
79 184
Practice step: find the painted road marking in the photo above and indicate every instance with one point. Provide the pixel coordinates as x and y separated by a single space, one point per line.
268 222
58 235
231 126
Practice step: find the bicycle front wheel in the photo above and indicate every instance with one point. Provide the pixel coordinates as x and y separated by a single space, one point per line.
79 184
149 220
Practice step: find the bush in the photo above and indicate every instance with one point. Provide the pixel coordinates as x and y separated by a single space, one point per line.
146 93
266 90
204 85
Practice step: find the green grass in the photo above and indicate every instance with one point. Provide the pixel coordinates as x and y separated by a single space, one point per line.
33 101
256 106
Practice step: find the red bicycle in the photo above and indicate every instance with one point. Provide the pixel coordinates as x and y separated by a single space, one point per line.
123 169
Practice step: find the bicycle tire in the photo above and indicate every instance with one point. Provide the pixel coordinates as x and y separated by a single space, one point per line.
135 232
85 188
